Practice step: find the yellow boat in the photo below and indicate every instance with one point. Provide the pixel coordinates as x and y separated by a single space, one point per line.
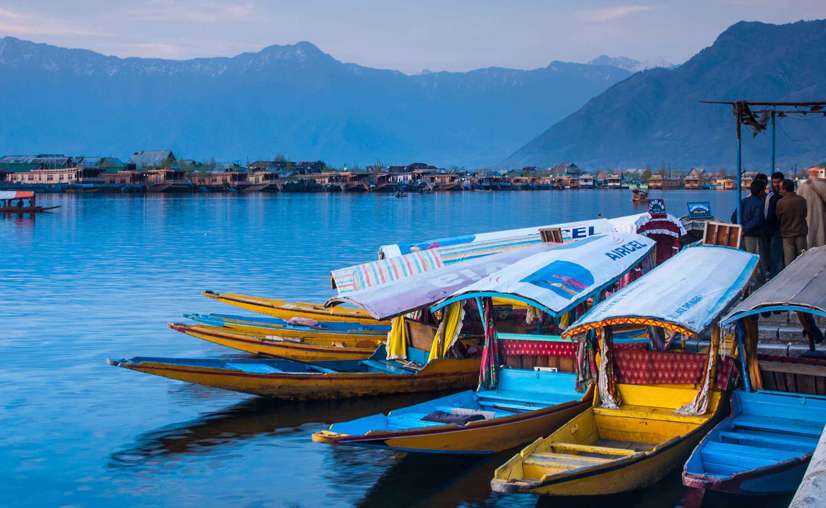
307 349
652 406
285 379
286 310
280 328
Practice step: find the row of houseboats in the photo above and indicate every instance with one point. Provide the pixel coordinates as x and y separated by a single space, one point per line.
570 339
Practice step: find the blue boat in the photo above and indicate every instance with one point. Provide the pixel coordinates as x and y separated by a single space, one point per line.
776 419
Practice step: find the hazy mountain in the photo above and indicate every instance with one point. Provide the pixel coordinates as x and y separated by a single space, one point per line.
629 64
292 99
655 116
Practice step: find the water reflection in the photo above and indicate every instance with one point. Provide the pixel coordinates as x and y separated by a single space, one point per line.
248 419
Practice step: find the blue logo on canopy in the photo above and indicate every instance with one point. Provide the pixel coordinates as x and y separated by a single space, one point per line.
562 277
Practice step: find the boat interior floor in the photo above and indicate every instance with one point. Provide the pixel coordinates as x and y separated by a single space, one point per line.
750 442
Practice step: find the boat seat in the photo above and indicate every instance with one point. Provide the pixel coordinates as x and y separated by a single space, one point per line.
531 400
649 413
584 449
773 441
744 457
563 460
780 425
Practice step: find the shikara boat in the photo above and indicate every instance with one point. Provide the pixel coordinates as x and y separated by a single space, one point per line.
285 310
307 349
653 406
21 202
292 329
285 379
766 444
533 387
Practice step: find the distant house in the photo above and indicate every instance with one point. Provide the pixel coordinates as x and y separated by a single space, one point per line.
309 167
568 169
820 170
106 164
695 179
586 181
17 163
614 181
153 159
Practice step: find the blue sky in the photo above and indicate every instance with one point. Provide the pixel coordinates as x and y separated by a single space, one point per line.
397 34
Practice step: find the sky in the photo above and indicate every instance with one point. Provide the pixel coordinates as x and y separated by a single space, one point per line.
406 35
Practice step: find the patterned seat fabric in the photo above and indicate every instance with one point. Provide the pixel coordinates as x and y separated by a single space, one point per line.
641 367
538 348
556 349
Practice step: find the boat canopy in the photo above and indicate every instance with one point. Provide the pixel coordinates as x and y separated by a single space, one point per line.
403 260
685 294
459 248
562 276
800 287
4 195
425 288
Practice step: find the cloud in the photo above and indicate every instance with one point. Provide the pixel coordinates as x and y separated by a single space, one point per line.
20 23
195 11
611 13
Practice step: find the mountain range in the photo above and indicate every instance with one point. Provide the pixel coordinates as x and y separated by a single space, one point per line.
293 99
655 116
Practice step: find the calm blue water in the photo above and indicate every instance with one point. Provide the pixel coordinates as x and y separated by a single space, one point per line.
102 276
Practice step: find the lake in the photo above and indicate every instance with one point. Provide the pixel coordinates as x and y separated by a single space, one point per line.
103 275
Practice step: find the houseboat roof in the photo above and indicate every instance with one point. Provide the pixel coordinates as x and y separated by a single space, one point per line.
559 277
800 287
685 294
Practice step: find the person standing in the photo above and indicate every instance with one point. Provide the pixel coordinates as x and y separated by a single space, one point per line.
813 190
753 221
791 218
774 242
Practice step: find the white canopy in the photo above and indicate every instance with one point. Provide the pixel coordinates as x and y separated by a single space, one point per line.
562 276
686 293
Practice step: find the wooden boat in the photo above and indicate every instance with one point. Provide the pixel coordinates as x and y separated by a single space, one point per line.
308 349
649 413
766 444
639 196
286 310
21 202
297 328
534 388
285 379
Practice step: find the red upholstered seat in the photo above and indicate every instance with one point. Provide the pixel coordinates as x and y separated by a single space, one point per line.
538 348
642 367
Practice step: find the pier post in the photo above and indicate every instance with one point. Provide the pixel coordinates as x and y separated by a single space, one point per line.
812 490
738 113
774 165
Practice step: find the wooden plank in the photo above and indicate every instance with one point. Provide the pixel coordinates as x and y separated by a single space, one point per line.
794 368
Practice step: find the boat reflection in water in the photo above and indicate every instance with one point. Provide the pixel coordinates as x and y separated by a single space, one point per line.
251 418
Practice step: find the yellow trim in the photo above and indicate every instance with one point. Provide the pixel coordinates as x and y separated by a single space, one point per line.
628 321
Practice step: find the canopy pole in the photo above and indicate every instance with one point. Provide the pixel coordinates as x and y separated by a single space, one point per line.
481 308
740 333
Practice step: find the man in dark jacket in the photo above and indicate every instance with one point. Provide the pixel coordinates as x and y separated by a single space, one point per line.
791 218
753 222
773 245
